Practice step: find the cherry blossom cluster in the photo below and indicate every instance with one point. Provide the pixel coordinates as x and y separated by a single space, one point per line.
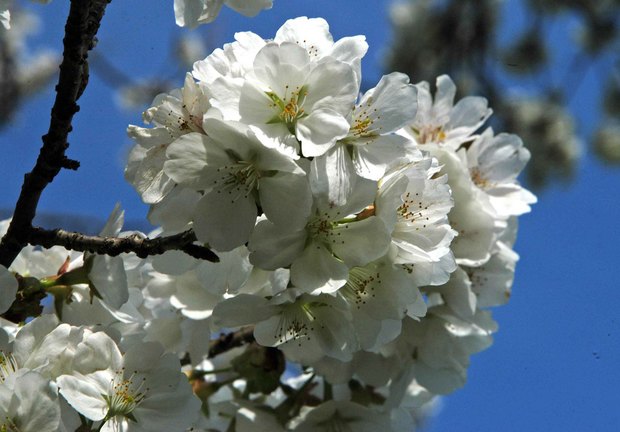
362 237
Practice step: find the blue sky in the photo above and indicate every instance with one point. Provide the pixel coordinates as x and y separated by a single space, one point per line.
554 363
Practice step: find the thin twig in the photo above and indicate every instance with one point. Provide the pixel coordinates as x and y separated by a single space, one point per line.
141 246
80 30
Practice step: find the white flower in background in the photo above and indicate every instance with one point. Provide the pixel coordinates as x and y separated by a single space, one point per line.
494 163
441 122
140 390
416 406
190 13
28 403
457 294
414 201
238 172
5 15
173 115
477 228
492 282
439 346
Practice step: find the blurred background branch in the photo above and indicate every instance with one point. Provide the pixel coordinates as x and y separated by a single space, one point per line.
460 38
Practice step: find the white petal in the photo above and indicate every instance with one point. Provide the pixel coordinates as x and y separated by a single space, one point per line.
286 199
372 160
359 243
255 107
187 159
349 49
395 102
114 223
468 113
249 8
318 271
223 220
8 285
86 394
173 262
320 130
256 420
30 336
279 65
272 246
241 310
109 278
174 212
312 34
35 404
332 84
187 12
333 176
444 99
97 351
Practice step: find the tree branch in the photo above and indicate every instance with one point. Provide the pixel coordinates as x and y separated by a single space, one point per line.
229 341
141 246
80 30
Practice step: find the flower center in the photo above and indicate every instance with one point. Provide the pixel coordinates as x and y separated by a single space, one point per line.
361 285
126 394
8 425
429 134
364 117
411 209
239 178
478 178
8 366
296 322
325 231
289 108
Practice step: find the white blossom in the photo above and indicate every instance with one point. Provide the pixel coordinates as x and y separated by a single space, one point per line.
494 163
439 121
140 390
191 13
332 241
29 403
238 170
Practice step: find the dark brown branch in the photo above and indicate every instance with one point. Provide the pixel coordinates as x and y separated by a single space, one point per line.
141 246
80 30
229 341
